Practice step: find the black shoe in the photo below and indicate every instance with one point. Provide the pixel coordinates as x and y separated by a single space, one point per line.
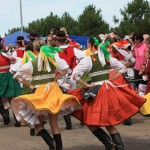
147 115
128 122
118 141
7 119
17 124
104 138
38 134
5 115
68 122
58 140
68 127
48 139
32 132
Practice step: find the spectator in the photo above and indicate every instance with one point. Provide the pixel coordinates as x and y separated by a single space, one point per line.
147 66
33 35
50 38
140 54
145 36
20 46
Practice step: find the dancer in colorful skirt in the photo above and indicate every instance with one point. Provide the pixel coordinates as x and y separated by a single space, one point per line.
120 51
9 87
48 99
107 103
27 56
71 56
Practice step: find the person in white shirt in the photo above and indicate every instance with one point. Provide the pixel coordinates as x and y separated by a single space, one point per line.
48 99
70 56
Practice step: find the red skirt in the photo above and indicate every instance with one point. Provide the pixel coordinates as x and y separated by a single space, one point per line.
111 106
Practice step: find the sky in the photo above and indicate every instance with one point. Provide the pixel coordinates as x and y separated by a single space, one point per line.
37 9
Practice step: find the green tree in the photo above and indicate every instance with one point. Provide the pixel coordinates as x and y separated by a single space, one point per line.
44 25
88 23
91 22
135 18
69 23
52 21
14 30
115 20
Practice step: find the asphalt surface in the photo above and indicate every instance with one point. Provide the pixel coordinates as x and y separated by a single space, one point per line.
135 137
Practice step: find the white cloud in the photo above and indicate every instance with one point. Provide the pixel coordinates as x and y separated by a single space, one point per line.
36 9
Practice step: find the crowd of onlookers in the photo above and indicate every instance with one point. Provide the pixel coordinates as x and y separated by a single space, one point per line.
139 49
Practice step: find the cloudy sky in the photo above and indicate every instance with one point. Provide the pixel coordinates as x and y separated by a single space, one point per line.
36 9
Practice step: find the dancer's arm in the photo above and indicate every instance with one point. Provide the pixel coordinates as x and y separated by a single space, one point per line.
83 66
25 82
22 73
60 75
117 66
85 84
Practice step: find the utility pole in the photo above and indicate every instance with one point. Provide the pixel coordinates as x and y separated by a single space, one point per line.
21 21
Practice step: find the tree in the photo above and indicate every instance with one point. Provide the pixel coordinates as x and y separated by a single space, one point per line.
115 20
135 18
91 22
88 23
44 25
14 30
69 23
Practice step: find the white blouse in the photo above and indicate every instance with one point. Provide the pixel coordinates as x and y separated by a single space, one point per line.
26 70
85 65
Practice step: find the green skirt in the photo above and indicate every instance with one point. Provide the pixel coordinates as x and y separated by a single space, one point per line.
9 87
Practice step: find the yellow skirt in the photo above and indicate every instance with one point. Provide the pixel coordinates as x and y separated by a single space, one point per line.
145 109
48 98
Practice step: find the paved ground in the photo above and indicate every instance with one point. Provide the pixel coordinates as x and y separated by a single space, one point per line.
135 137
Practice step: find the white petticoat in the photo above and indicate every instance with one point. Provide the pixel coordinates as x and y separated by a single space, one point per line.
27 114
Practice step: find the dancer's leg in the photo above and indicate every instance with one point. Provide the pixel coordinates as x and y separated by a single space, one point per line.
46 136
56 131
115 137
102 136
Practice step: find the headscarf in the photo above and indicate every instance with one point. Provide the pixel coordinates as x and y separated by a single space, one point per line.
102 51
28 56
47 54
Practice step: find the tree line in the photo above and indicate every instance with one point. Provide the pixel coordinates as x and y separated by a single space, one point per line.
135 17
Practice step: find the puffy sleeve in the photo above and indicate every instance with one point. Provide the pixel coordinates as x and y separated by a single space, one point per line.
15 67
117 65
85 65
128 56
25 70
79 54
62 64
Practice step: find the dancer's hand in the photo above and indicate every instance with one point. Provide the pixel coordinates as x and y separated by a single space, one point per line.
33 88
89 85
142 69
